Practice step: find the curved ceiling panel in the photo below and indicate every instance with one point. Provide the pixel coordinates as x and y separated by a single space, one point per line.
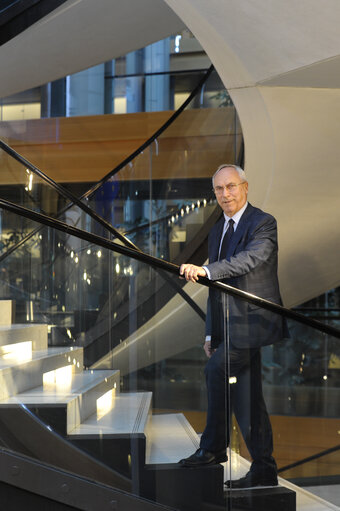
80 34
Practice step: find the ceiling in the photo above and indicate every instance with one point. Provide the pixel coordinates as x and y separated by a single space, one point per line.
80 34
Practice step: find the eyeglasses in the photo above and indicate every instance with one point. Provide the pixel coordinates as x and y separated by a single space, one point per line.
231 187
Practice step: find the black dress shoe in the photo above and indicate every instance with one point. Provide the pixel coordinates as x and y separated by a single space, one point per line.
203 457
253 480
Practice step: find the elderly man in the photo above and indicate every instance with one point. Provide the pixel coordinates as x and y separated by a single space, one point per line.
242 253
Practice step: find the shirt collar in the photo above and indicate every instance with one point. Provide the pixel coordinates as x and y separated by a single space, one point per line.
237 216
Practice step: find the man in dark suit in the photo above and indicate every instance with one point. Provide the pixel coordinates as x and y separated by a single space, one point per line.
243 253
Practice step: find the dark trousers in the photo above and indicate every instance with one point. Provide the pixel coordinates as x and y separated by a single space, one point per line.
244 398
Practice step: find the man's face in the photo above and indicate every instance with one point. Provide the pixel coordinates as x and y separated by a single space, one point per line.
230 198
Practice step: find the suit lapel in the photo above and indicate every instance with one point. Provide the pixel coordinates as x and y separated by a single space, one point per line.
239 231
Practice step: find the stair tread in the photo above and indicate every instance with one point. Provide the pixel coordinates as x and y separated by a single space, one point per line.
170 438
20 326
129 415
35 333
81 383
37 355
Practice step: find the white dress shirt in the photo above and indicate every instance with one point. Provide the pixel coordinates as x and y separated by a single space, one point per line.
236 218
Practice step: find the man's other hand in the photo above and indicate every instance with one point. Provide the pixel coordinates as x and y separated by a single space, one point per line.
192 272
207 349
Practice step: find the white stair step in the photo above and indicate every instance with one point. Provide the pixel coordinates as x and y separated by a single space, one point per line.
6 312
79 395
14 334
18 374
129 415
237 467
170 438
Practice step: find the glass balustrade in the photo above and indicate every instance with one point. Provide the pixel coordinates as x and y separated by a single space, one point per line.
154 200
153 196
133 92
298 371
151 416
111 311
127 313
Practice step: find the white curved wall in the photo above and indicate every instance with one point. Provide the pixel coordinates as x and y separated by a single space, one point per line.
280 63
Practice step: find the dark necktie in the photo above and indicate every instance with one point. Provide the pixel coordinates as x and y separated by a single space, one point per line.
226 239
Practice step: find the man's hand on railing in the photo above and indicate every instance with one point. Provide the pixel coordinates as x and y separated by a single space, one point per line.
192 272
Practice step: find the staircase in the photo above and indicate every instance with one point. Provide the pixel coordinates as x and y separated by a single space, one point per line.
87 408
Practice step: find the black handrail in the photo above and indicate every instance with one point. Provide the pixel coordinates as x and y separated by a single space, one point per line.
89 192
309 458
78 201
89 211
158 73
66 194
75 201
173 268
153 137
165 265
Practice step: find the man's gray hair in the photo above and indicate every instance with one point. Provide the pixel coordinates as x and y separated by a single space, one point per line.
238 169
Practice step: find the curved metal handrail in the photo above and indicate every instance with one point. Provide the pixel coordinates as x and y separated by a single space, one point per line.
66 194
153 137
174 269
167 266
309 458
78 201
75 201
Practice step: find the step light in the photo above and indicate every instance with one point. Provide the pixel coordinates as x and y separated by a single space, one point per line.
21 352
105 403
58 379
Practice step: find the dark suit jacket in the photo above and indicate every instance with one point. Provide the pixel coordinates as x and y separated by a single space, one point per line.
250 265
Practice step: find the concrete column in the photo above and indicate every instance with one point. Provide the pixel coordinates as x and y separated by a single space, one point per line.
53 99
109 87
157 88
85 92
134 85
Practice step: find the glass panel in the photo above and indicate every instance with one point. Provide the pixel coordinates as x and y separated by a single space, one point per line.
135 93
84 148
141 421
123 419
284 394
29 272
160 198
170 179
155 200
22 186
125 314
